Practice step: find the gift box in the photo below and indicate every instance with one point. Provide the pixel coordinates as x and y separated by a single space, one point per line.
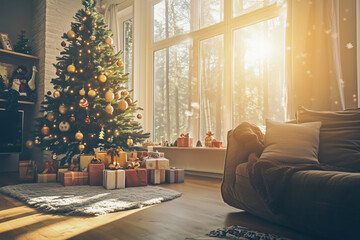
156 154
60 170
113 179
85 160
71 178
102 157
142 154
50 167
132 156
185 141
174 175
96 174
46 177
157 163
27 170
135 177
156 176
216 144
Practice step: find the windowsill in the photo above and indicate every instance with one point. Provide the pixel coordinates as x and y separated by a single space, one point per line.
191 148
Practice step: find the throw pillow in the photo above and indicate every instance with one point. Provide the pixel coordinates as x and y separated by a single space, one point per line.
291 143
339 136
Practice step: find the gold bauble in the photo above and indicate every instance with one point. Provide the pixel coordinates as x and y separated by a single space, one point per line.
92 37
50 116
29 144
123 105
92 93
109 109
70 34
139 116
71 68
106 74
79 136
82 92
102 78
109 96
129 141
56 94
81 147
119 63
62 109
117 96
124 93
109 41
45 130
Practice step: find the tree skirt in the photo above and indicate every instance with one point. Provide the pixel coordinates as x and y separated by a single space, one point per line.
85 200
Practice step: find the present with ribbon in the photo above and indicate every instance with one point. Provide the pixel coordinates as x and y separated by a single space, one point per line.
85 159
156 176
157 163
50 167
96 174
115 156
46 177
156 154
102 156
71 178
59 171
174 175
135 177
113 179
185 140
141 155
27 170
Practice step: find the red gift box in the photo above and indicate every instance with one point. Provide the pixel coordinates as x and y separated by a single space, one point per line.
185 141
216 144
142 154
74 178
96 174
135 177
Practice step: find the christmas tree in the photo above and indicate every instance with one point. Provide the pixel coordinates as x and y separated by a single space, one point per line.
22 44
90 106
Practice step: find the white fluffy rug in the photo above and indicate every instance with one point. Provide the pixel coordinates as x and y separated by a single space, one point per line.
86 200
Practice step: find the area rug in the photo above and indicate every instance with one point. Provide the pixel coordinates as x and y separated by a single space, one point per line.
86 200
238 233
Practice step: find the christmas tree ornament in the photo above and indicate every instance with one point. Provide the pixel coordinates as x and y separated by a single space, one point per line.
119 63
109 96
109 41
109 109
129 141
50 116
84 19
87 120
83 103
48 93
82 92
92 93
102 78
92 38
81 147
62 109
117 96
72 118
71 68
29 144
71 34
45 130
79 136
56 94
129 101
110 139
87 12
123 105
106 74
58 72
64 126
124 93
81 28
102 133
139 116
63 44
88 65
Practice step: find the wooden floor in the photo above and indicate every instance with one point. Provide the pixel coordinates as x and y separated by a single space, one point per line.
199 210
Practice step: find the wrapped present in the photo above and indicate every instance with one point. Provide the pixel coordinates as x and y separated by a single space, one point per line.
96 174
27 170
156 176
85 160
216 144
174 175
162 176
135 177
157 163
116 155
141 155
185 141
71 178
59 171
156 154
102 157
50 167
113 179
46 177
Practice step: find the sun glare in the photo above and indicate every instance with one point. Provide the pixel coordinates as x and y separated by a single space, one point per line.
257 50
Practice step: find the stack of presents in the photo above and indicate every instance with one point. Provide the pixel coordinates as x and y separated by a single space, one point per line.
112 169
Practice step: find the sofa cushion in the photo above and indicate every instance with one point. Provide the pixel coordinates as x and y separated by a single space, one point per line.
339 136
291 143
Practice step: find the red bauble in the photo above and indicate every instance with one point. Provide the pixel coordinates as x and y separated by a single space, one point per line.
88 65
58 72
63 43
72 118
128 100
87 120
81 28
83 103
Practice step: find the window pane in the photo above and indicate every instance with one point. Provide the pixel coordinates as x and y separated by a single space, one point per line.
212 12
244 6
171 18
212 87
128 45
259 74
173 92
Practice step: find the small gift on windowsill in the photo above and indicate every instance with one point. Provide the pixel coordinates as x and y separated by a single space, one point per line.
216 144
185 140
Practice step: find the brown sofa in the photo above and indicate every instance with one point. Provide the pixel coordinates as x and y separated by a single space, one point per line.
325 204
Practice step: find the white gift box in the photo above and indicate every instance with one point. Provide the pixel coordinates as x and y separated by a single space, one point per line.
113 179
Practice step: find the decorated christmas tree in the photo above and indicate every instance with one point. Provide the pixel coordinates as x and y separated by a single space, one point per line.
90 106
21 45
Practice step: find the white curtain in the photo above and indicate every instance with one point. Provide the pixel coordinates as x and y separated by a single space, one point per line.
111 19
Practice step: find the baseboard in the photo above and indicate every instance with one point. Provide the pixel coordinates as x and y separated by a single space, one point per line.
204 174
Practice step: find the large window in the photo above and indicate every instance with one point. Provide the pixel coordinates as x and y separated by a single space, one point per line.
216 63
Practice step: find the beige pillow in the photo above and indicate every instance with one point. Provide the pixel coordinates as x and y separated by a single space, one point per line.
292 143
